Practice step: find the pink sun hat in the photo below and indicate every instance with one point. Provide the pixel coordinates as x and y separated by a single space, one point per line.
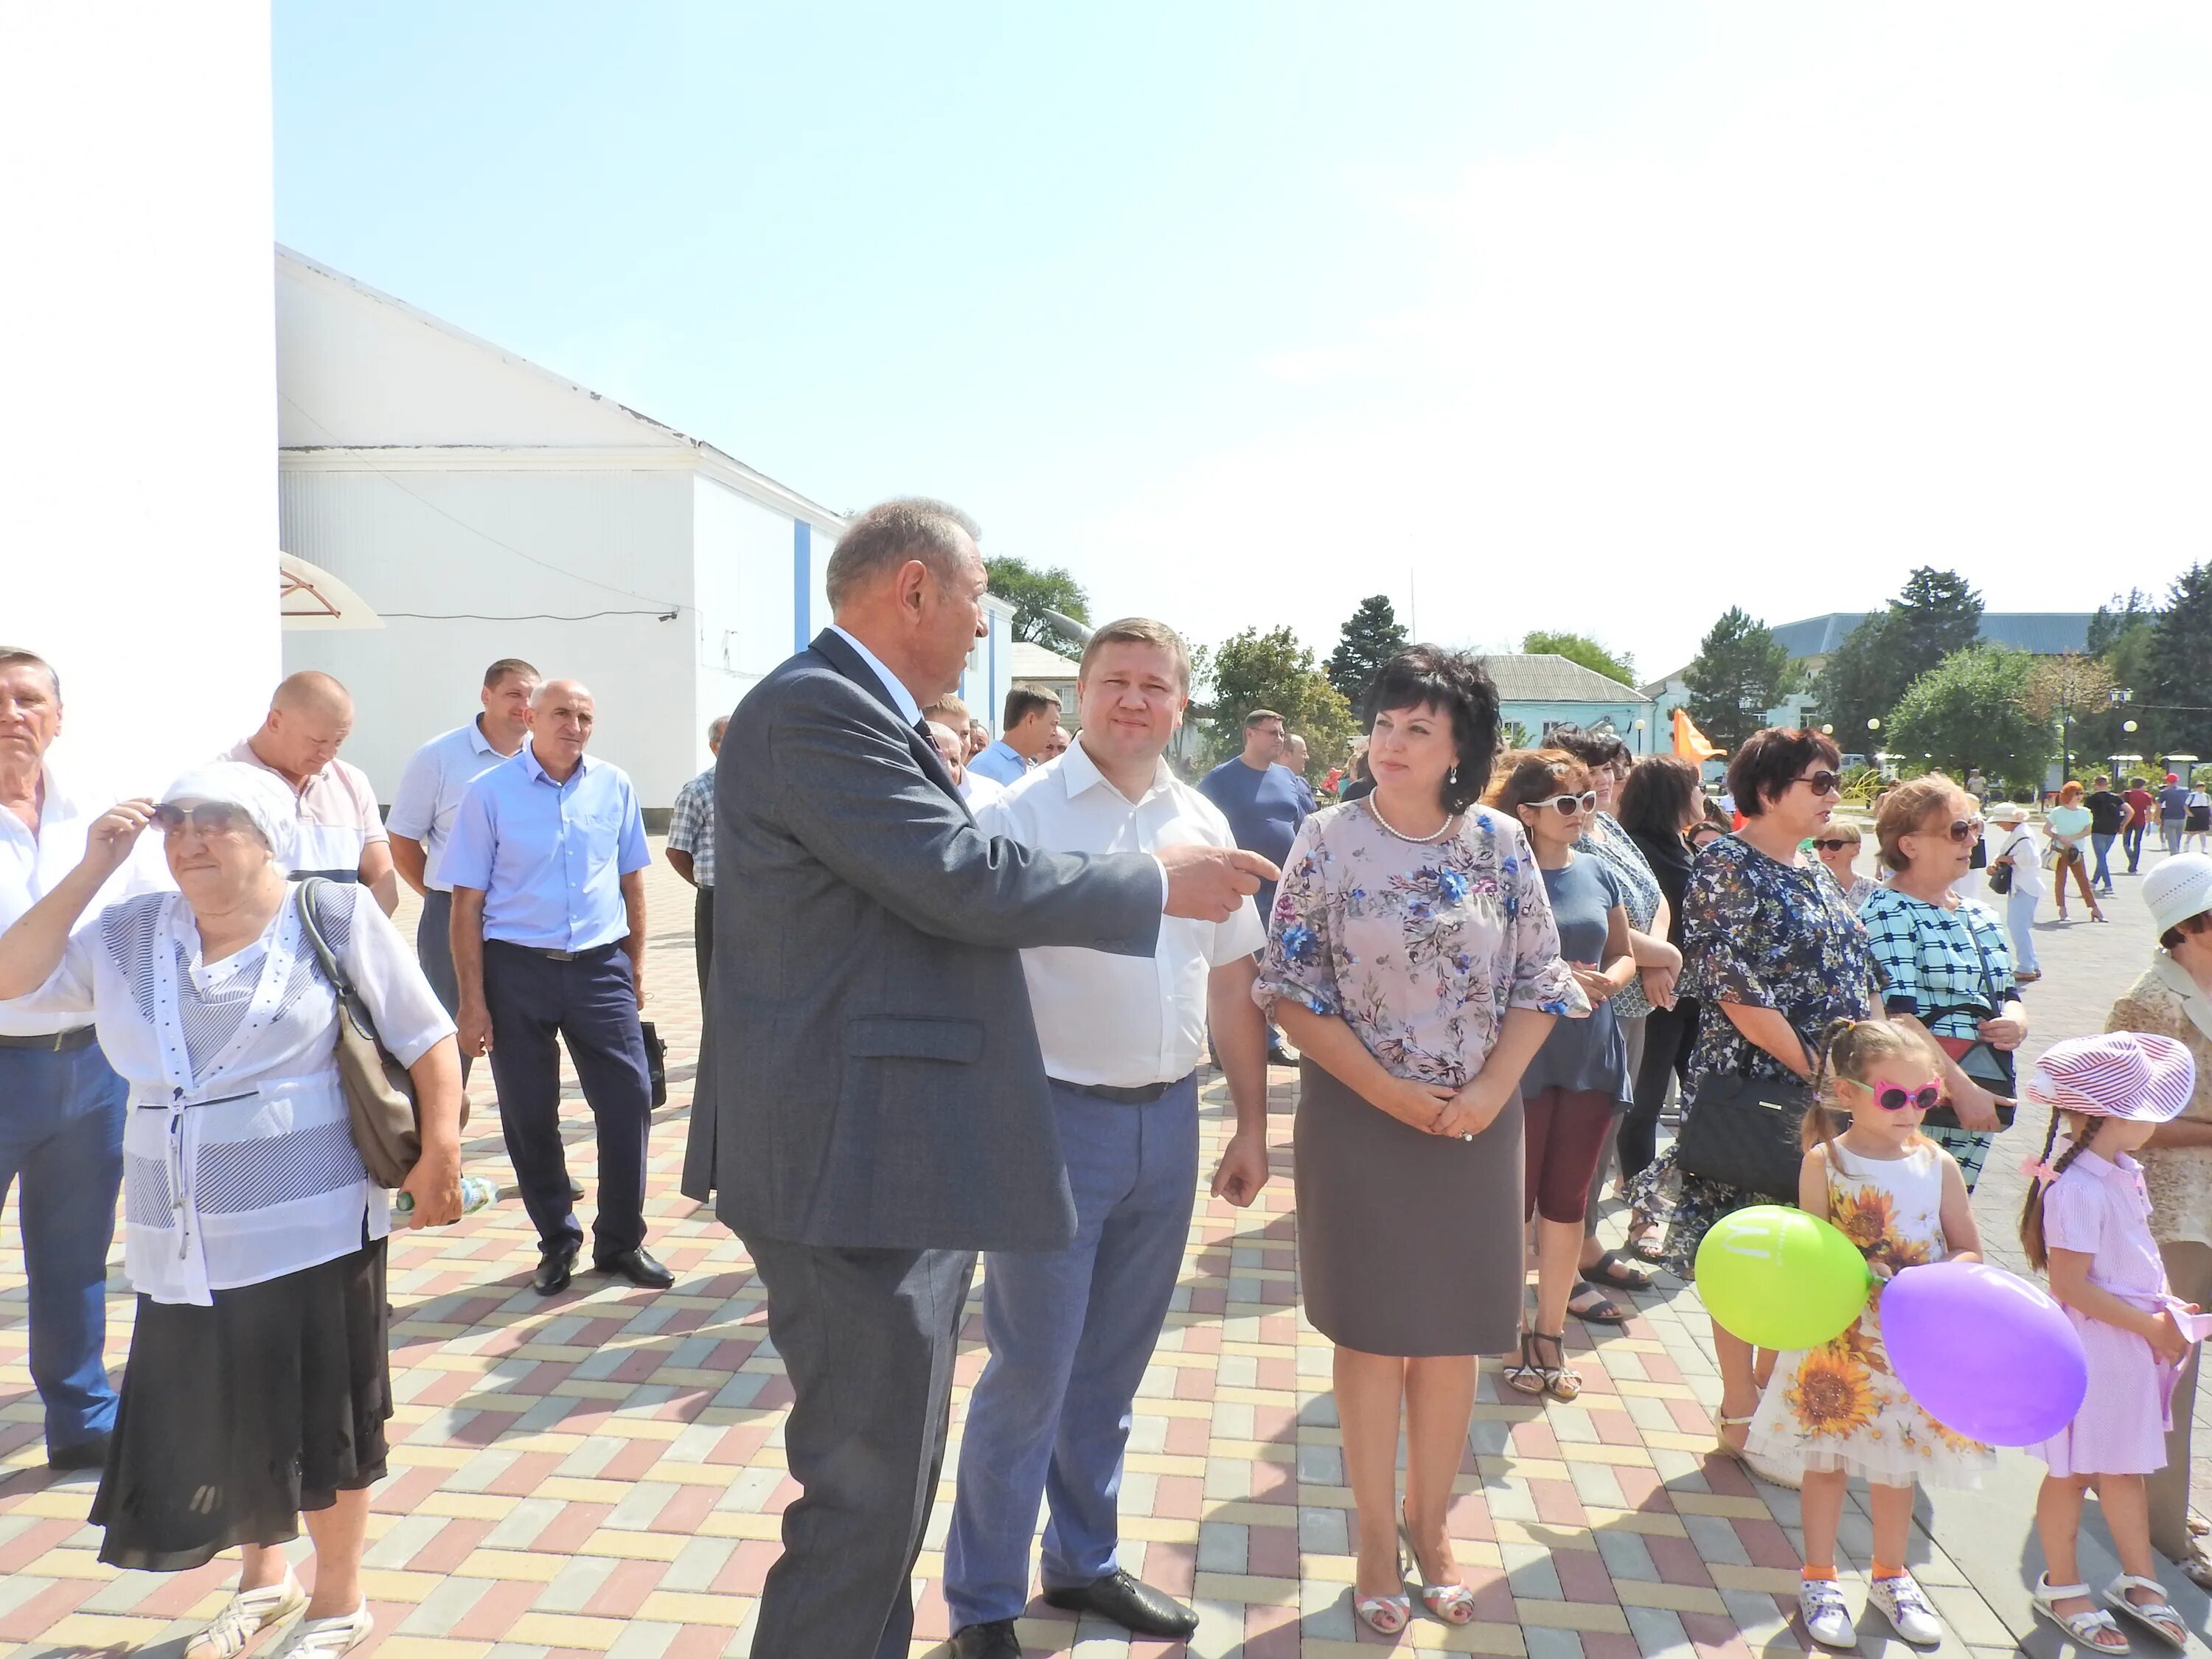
2126 1075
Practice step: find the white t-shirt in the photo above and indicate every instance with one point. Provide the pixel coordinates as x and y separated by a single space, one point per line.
2025 852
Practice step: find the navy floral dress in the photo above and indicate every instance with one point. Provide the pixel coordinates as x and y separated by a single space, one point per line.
1763 934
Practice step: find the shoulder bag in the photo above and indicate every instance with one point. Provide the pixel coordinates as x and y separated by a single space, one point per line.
1744 1132
380 1106
1982 1062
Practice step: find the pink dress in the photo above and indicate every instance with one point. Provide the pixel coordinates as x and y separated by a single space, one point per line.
2099 1208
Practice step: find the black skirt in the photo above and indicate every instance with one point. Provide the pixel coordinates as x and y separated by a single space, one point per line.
234 1419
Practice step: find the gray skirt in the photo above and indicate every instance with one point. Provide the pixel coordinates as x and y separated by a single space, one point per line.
1408 1244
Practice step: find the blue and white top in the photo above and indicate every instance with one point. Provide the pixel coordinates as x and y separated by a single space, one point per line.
691 826
437 777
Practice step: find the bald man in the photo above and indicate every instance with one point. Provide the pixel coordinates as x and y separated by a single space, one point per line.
341 833
547 857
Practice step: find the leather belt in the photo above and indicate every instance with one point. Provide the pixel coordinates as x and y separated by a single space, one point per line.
551 955
351 877
54 1043
1144 1096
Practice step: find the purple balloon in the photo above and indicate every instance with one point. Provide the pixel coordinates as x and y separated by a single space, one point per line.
1984 1352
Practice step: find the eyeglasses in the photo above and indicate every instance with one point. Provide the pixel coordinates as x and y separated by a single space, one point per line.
1836 845
1892 1098
1824 782
1568 806
210 817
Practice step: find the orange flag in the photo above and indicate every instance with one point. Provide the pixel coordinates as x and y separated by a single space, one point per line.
1690 742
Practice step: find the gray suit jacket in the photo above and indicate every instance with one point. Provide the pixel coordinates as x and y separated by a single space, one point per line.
875 1078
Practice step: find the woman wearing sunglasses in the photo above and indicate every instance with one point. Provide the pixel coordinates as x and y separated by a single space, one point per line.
1774 953
1945 962
1836 846
258 1381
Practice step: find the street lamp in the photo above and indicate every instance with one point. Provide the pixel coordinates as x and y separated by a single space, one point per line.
1874 725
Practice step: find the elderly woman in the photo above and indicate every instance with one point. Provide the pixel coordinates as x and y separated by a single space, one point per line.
259 1383
1838 846
1943 959
1413 958
2173 999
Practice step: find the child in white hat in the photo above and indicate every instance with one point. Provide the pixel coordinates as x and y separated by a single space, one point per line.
2087 1224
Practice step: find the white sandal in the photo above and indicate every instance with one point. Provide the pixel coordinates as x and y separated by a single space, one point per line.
2092 1627
245 1616
2157 1617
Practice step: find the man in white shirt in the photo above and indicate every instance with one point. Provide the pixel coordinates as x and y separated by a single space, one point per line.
974 788
1032 716
340 833
1072 1331
61 1103
438 774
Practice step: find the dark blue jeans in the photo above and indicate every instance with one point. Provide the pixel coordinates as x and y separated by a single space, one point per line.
2102 875
61 1129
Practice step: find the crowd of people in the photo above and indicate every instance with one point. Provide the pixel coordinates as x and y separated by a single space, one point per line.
958 990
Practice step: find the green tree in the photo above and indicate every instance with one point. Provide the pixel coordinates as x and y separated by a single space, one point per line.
1032 591
2073 693
1580 647
1976 707
1371 636
2178 663
1934 614
1513 735
1252 670
1739 673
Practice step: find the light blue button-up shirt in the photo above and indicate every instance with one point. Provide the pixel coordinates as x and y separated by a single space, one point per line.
548 857
430 791
1001 763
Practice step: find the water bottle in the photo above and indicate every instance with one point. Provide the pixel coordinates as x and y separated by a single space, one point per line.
477 1193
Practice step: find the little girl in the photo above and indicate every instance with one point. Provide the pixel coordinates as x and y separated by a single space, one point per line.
2087 1223
1838 1411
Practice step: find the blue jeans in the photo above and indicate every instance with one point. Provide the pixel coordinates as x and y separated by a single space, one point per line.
61 1129
2102 846
1071 1332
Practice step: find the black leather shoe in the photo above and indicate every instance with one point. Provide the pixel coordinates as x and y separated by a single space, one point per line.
575 1189
1278 1056
995 1640
636 1267
85 1455
555 1267
1132 1605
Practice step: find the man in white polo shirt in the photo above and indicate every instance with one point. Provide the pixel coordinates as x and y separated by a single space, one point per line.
1072 1331
341 833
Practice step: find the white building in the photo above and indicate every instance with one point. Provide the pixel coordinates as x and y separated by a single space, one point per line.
486 507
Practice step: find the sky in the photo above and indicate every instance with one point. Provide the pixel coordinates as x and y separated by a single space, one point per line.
1591 317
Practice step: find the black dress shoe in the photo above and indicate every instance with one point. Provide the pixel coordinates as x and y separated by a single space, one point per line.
555 1267
1278 1056
1132 1605
575 1189
995 1640
85 1455
636 1267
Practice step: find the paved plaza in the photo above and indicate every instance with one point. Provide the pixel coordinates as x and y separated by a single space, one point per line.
602 1472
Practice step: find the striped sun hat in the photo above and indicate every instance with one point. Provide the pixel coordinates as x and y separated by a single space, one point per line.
2128 1074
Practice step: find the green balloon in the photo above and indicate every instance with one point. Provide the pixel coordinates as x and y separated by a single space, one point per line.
1778 1278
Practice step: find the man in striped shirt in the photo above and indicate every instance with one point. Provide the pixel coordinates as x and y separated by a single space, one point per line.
340 833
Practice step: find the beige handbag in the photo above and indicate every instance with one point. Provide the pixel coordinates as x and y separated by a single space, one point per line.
380 1095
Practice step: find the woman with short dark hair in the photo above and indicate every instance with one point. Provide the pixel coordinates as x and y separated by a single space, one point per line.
1413 958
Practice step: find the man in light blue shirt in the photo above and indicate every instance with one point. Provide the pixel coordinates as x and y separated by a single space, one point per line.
1032 716
429 796
547 860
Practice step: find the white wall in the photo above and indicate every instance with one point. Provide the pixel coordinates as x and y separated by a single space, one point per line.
744 560
503 542
140 557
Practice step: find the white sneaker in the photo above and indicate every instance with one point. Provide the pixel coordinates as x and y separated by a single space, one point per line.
313 1639
1827 1621
245 1616
1904 1604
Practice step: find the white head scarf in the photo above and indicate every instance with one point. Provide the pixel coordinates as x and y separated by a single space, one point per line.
261 797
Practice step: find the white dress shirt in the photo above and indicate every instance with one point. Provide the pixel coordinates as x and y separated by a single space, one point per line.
1121 1022
978 790
31 867
901 699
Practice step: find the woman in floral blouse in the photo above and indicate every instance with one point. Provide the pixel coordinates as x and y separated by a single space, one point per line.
1413 958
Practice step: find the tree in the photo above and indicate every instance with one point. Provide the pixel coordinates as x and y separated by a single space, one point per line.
1513 735
1580 647
1975 709
1934 614
1252 670
2178 663
1741 671
1370 637
2070 691
1032 591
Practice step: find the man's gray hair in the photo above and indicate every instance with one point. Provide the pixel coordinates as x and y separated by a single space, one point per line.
12 654
886 535
716 726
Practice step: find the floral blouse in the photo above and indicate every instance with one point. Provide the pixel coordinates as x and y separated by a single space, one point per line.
1421 947
1767 934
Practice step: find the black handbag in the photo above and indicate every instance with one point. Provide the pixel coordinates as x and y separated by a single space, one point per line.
1744 1132
656 1062
1982 1062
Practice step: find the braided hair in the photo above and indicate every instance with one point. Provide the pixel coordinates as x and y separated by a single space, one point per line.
2031 1215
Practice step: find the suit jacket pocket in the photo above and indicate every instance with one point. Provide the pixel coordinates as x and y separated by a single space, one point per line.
959 1041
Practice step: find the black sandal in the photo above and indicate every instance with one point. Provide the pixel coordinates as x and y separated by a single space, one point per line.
1610 1272
1604 1311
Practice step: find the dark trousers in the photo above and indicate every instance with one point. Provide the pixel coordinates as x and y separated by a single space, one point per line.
1669 1034
61 1129
2101 875
433 951
591 1002
2131 840
703 936
868 1339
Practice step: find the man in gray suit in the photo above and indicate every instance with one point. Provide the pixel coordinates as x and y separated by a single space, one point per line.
865 1146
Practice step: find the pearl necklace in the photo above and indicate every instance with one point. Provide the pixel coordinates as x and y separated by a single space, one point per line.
1450 819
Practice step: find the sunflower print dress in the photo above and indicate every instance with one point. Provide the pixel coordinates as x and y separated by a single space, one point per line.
1840 1406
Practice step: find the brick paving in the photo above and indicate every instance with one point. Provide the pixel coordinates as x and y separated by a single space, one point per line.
602 1472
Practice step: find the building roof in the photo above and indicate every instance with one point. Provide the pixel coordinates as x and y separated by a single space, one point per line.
1546 676
2044 633
1038 662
